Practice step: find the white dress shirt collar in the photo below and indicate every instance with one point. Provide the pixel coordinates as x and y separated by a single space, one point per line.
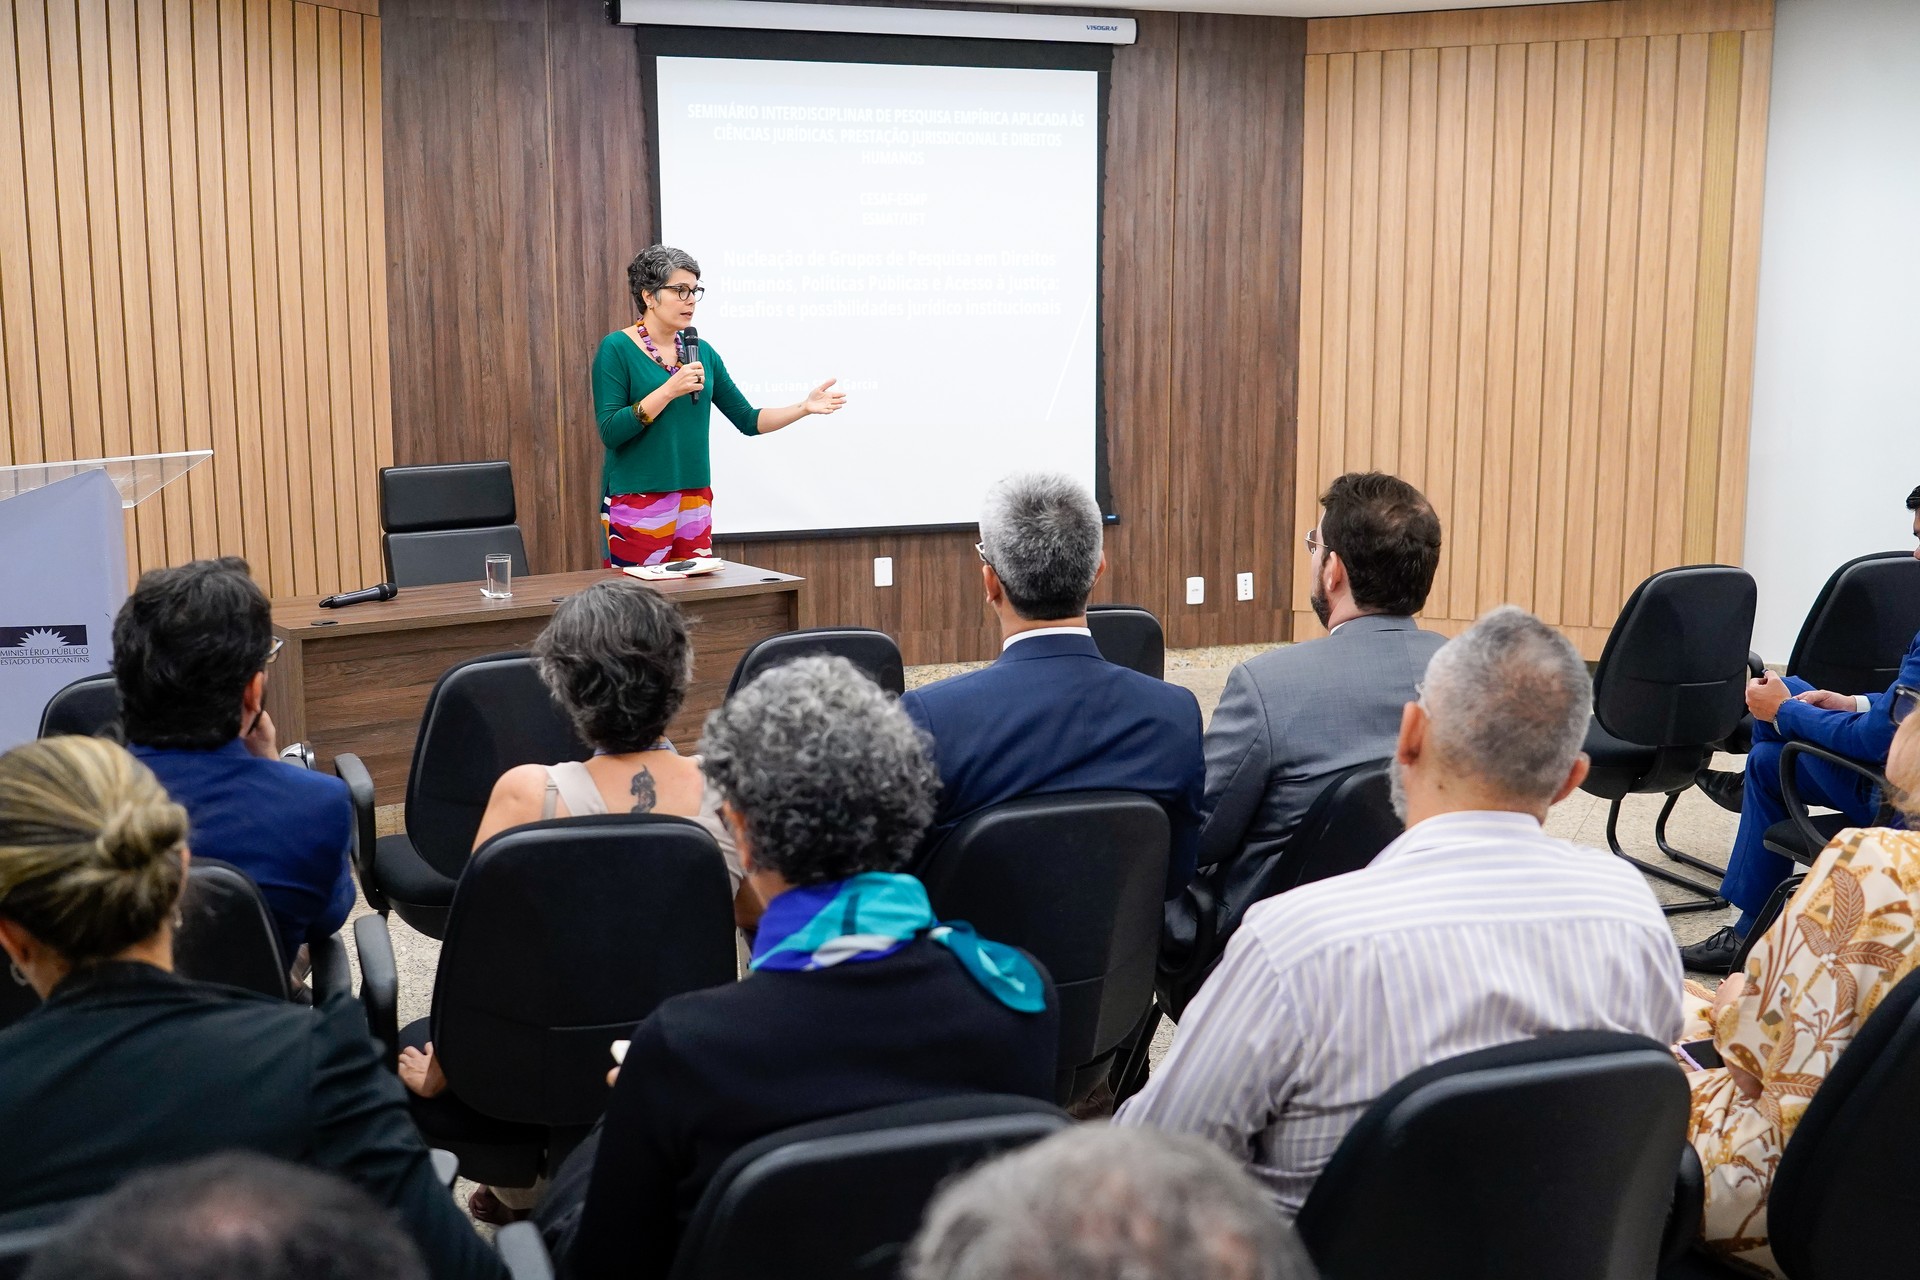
1018 636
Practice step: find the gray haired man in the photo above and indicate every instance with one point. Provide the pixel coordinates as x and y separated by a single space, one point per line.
1051 714
1472 929
1099 1203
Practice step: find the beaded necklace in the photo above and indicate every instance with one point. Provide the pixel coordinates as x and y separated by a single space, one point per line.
646 340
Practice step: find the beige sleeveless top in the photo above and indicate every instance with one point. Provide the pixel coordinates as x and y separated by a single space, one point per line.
570 784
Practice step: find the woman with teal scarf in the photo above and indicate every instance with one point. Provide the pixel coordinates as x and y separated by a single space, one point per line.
857 996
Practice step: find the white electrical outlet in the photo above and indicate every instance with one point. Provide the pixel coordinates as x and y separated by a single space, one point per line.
1196 590
1243 586
883 571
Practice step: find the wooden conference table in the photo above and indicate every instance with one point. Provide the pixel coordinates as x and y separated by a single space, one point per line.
356 679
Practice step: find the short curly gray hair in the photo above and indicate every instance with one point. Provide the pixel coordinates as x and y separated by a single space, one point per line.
652 266
617 659
1041 534
825 770
1096 1202
1510 699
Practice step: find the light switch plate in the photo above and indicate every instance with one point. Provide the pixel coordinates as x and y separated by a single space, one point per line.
883 571
1243 586
1196 590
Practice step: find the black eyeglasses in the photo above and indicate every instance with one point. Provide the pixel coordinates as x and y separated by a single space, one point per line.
685 292
1904 698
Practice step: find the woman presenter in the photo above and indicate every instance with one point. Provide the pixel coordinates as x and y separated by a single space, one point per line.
653 396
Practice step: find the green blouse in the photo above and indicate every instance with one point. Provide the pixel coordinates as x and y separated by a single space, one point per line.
671 452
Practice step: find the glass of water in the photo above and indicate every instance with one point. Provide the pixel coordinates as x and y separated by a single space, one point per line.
499 577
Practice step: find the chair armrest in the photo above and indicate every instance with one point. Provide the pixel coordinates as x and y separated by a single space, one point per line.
1790 785
332 971
446 1165
1683 1219
523 1251
379 984
353 771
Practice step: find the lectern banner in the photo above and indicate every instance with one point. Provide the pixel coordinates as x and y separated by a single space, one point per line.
63 574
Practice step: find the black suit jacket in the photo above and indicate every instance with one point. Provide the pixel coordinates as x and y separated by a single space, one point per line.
710 1071
127 1066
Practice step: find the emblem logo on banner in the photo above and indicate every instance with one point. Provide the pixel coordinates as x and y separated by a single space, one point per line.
45 646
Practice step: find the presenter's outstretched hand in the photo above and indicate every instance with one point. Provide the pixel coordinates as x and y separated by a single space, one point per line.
689 378
823 398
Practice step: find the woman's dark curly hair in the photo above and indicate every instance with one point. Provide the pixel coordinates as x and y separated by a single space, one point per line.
824 769
651 267
617 658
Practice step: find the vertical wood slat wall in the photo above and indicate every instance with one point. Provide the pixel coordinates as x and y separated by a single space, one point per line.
1529 248
191 257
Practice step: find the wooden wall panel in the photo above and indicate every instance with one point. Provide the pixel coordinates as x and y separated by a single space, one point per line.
185 193
1583 185
517 191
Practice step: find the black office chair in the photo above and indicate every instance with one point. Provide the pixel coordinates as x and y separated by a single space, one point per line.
841 1198
439 523
1856 632
1802 834
1843 1192
1344 829
1549 1157
1670 686
90 707
484 716
1129 636
562 936
226 935
873 652
1074 879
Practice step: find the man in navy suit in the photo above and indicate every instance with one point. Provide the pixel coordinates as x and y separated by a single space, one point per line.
1786 710
1051 714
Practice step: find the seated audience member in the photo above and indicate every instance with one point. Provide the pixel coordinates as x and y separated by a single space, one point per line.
857 998
231 1217
1100 1203
1473 929
1051 714
1812 980
1790 710
617 658
190 653
1293 717
125 1066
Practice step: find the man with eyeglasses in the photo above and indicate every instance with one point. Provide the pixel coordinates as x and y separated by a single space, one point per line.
191 647
1292 718
1784 710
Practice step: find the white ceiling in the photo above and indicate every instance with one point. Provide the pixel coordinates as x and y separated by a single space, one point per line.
1294 8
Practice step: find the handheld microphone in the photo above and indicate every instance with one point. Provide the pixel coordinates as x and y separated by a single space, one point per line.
688 340
385 591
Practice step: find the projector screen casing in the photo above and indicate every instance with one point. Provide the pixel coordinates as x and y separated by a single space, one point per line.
683 42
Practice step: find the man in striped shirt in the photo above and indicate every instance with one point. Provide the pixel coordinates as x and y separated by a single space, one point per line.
1472 929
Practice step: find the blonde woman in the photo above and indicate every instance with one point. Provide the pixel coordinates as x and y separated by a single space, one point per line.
1843 942
124 1065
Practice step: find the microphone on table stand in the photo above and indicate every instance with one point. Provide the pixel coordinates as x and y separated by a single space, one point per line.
385 591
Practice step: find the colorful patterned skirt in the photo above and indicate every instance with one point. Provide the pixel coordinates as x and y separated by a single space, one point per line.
651 528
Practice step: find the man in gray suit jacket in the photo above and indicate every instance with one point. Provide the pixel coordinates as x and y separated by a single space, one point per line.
1291 719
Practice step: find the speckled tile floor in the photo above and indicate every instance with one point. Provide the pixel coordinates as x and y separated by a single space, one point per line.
1697 826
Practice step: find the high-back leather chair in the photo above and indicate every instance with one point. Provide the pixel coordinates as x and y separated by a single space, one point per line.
1670 686
1074 879
873 652
226 935
841 1198
562 936
1346 826
483 717
1129 636
90 707
1860 625
438 523
1549 1157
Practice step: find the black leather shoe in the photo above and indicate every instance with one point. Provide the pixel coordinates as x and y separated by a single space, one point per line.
1714 953
1724 787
